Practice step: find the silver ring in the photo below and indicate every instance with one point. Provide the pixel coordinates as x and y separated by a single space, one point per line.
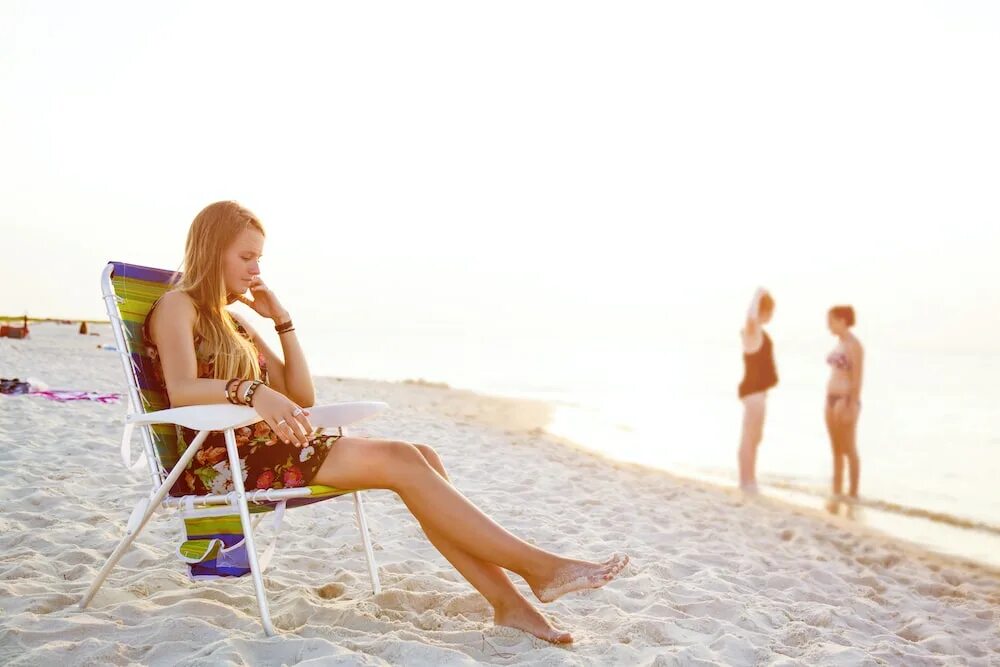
281 422
297 412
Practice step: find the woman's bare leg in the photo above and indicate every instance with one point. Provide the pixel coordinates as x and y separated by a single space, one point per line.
357 463
835 428
510 608
753 432
850 432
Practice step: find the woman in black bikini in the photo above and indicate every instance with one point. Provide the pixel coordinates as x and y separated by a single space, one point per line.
843 400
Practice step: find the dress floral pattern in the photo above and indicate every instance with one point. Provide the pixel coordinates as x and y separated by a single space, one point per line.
267 462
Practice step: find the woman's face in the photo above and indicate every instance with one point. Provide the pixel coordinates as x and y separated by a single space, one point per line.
241 261
835 324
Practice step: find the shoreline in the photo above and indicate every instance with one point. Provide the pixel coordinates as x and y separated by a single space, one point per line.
530 419
952 536
904 523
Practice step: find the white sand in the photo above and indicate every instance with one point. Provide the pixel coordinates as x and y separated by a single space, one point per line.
712 581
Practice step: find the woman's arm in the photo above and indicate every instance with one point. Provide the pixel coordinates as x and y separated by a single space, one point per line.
753 312
172 331
297 378
857 370
752 340
171 327
289 375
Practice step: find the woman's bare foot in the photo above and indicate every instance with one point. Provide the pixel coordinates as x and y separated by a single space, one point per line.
576 575
525 617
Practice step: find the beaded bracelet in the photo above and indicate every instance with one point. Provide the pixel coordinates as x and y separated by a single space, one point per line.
283 327
231 388
243 398
236 392
248 397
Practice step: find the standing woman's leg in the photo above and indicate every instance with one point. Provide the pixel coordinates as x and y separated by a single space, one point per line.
850 439
753 432
833 428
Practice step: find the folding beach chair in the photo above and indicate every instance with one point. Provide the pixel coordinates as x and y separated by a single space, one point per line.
218 527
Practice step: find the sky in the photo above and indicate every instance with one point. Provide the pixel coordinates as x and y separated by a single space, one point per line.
539 166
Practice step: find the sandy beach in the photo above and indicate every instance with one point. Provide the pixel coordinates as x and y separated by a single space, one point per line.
712 579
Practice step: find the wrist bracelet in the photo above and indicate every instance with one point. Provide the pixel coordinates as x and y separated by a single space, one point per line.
236 392
251 391
243 398
283 327
289 330
231 387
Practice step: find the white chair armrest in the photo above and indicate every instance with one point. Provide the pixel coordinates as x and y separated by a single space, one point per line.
342 414
219 417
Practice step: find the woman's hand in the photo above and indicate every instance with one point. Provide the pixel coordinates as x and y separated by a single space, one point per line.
264 302
288 421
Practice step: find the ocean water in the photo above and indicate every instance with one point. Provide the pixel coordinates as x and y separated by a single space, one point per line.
928 436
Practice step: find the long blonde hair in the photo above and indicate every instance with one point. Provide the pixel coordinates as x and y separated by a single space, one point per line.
203 279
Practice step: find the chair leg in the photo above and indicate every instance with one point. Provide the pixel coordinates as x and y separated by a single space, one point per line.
123 546
251 547
366 540
154 503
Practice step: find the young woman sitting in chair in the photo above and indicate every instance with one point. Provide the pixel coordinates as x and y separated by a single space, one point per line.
208 355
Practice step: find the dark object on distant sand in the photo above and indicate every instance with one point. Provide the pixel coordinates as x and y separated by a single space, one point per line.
13 332
7 331
13 386
83 329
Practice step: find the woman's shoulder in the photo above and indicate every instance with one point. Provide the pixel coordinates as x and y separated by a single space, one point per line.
176 306
176 302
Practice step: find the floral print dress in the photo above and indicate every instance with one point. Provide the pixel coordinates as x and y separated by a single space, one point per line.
267 462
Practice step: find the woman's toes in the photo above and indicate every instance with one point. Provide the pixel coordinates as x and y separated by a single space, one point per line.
530 620
560 637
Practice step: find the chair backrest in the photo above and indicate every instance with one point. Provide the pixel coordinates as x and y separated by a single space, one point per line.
129 293
214 545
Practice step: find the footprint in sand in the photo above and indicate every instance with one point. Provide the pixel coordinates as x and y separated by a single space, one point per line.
331 590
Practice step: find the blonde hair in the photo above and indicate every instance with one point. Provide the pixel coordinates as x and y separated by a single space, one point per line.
203 279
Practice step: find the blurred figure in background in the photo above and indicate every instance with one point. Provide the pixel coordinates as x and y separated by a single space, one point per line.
759 375
843 400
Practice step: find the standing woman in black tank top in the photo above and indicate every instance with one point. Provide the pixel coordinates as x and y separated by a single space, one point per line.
759 375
